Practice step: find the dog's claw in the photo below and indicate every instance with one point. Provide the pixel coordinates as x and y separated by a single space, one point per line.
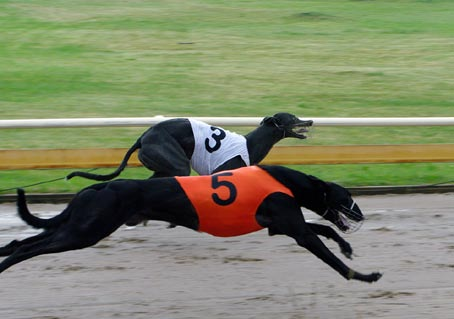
348 255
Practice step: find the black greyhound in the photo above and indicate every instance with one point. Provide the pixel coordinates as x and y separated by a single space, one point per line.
170 147
228 203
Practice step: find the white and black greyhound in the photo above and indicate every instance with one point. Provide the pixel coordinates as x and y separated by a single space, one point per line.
172 147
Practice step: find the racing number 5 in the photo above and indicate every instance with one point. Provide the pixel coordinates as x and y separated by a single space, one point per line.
216 183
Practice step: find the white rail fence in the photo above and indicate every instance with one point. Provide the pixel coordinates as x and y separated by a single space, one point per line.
221 121
279 155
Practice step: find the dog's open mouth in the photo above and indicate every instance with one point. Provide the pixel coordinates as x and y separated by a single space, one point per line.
299 130
349 219
347 225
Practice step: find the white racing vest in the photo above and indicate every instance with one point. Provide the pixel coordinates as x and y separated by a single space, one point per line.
213 146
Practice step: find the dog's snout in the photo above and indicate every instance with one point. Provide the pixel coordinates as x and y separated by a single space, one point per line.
356 214
304 123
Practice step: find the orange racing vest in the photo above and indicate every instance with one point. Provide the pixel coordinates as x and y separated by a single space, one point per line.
226 202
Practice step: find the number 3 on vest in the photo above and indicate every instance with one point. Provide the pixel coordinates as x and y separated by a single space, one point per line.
217 138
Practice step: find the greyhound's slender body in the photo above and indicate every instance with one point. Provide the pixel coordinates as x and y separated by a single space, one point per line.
168 147
171 147
258 197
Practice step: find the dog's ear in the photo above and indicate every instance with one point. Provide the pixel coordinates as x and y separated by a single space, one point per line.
336 187
268 120
336 193
317 181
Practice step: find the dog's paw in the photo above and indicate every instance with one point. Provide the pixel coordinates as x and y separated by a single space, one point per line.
346 249
373 277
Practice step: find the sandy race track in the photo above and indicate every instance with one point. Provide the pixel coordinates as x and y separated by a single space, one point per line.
155 272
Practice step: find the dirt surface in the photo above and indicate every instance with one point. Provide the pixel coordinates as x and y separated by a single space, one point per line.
155 272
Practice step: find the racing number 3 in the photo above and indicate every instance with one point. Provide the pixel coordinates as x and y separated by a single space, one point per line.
217 138
216 183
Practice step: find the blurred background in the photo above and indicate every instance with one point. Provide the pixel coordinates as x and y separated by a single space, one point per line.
74 59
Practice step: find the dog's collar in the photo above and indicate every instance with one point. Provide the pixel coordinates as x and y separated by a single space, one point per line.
280 127
326 212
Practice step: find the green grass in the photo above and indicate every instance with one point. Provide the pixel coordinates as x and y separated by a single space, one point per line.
347 175
337 58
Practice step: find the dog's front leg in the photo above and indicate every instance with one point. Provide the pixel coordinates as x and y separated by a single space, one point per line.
282 215
311 242
330 233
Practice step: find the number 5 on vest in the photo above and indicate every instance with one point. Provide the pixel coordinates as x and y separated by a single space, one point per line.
216 183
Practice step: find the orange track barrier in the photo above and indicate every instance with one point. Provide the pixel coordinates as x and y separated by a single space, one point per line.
279 155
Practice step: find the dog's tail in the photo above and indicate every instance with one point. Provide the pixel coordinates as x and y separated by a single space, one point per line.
32 220
117 172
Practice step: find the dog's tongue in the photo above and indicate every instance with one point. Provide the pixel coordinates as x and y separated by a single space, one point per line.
343 223
300 129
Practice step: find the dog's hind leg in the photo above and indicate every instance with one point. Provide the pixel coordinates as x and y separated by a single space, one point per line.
166 158
167 148
15 244
48 245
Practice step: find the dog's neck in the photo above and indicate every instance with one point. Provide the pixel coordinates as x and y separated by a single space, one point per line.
309 191
261 140
311 194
